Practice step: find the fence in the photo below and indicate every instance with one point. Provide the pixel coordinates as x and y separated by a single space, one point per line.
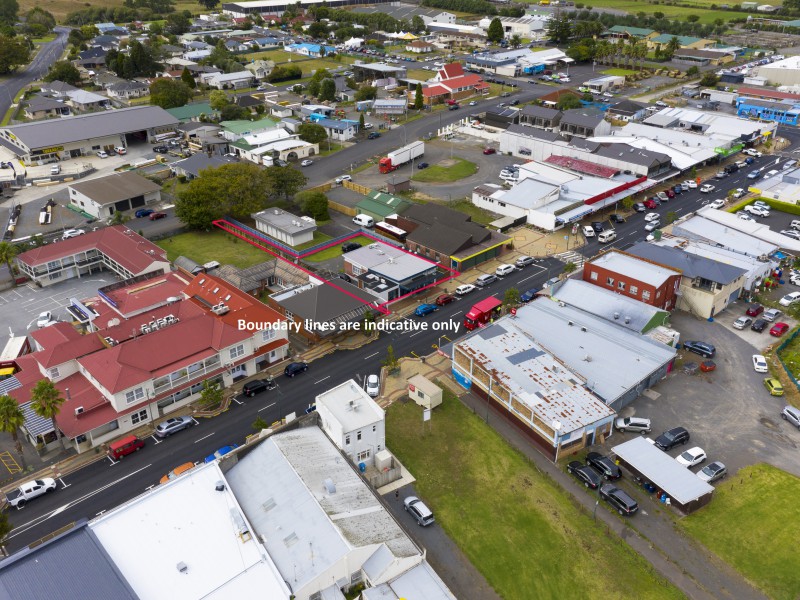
785 343
347 210
385 477
361 189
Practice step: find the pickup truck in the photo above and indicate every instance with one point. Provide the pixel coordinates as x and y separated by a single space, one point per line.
30 490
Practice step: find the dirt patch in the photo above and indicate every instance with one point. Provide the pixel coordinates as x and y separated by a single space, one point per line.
446 162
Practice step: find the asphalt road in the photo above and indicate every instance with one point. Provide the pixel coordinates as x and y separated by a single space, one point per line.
103 485
38 67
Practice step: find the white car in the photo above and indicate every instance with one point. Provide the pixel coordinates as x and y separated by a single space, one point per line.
43 320
473 103
718 203
588 231
692 457
692 184
707 188
343 178
373 386
71 233
306 163
102 154
121 150
368 125
752 152
789 299
760 364
504 270
652 225
744 216
758 211
465 289
651 217
742 322
738 193
761 204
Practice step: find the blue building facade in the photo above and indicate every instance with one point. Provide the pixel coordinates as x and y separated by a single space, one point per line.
783 112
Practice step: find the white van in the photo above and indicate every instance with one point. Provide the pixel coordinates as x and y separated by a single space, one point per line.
55 170
364 221
607 236
503 270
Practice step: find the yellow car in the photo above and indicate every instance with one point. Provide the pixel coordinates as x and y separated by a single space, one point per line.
773 386
182 470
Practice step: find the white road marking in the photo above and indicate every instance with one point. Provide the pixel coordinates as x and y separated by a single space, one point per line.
266 407
321 380
371 355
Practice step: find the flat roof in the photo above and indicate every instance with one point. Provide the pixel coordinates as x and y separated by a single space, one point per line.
115 187
285 221
350 405
700 228
634 267
388 261
66 130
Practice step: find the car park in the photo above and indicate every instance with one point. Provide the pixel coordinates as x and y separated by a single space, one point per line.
707 188
779 329
220 453
691 457
671 438
173 425
524 261
157 215
760 364
465 289
759 325
704 349
773 386
754 309
306 163
177 472
585 474
635 424
294 368
713 472
791 414
373 386
603 465
417 509
718 203
742 322
423 310
618 499
256 386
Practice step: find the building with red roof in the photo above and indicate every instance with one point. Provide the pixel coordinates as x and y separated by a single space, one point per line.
116 248
451 83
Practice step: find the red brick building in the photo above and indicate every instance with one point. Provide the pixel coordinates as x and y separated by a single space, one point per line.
634 277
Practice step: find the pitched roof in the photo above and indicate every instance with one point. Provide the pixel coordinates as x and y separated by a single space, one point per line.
38 103
62 342
443 229
534 110
115 187
324 303
463 81
581 117
451 70
691 265
626 106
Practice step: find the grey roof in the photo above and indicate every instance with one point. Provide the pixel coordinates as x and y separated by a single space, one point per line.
58 87
581 117
663 471
94 125
633 267
127 85
187 264
638 156
284 221
534 110
38 103
630 314
700 228
443 229
534 132
73 565
388 261
199 161
115 187
690 264
626 106
324 303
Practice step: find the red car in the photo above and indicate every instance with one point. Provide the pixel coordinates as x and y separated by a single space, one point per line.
650 204
779 329
489 150
157 215
707 366
670 193
444 299
754 310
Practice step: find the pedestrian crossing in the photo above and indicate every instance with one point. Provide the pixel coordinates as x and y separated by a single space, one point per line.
571 257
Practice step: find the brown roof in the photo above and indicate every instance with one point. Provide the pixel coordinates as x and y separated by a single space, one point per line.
116 187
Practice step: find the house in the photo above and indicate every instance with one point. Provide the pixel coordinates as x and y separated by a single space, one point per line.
634 277
236 130
193 112
315 50
451 83
584 123
684 41
707 286
388 106
540 117
57 89
342 131
627 110
128 89
420 47
403 11
192 167
106 79
87 101
225 81
260 69
380 206
285 227
115 248
111 29
353 421
42 107
104 196
529 27
203 137
624 32
387 272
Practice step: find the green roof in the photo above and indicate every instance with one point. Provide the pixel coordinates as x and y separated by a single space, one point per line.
244 127
241 144
191 111
634 31
683 40
382 204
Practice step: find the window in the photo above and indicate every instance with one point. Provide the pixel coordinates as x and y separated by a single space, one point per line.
289 316
54 373
357 270
621 285
634 290
363 455
347 440
134 395
658 294
139 417
237 351
610 281
593 276
267 335
645 295
358 436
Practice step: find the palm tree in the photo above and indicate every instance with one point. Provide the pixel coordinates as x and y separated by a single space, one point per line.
46 402
7 254
11 419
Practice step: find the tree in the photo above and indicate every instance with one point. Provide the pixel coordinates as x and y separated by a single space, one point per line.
511 297
285 182
7 254
178 23
11 419
186 77
312 133
318 30
46 402
313 204
361 122
237 189
234 112
709 80
628 202
14 52
208 4
390 362
570 267
419 100
693 18
327 90
168 93
39 22
211 395
417 24
568 101
259 424
155 29
495 32
313 88
693 70
672 46
9 11
516 41
671 216
65 71
559 29
218 99
366 92
119 218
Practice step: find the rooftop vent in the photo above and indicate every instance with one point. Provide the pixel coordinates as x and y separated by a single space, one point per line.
616 316
182 567
627 320
220 486
583 329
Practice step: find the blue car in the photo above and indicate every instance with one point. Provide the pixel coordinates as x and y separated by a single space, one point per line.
144 212
424 310
528 296
677 189
754 174
220 453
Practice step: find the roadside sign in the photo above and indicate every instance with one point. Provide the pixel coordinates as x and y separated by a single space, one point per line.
513 311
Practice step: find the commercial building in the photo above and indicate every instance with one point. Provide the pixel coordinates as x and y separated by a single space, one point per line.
785 186
284 226
782 72
379 206
531 27
706 228
584 123
104 196
225 81
684 41
277 7
605 83
387 272
406 12
785 112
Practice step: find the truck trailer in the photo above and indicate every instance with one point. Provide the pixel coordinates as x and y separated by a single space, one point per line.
401 156
482 312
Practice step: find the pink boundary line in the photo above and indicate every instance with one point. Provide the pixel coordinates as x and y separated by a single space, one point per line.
382 307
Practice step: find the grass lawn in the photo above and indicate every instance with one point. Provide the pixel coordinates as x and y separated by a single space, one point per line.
619 72
203 247
308 65
701 8
319 237
336 250
326 149
516 526
438 174
421 74
751 524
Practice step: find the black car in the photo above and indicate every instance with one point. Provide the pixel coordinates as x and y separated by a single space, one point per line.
251 388
454 107
671 438
160 149
702 348
597 226
349 247
624 504
294 368
423 165
585 474
759 325
615 218
514 102
604 465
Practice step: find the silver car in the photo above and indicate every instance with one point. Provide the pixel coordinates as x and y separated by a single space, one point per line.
635 424
792 415
373 386
173 425
710 474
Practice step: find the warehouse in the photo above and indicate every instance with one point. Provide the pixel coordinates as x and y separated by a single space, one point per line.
104 196
277 7
70 137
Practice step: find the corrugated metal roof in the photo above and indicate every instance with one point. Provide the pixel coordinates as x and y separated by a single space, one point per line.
691 265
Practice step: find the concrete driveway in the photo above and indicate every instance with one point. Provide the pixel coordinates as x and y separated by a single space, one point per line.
759 341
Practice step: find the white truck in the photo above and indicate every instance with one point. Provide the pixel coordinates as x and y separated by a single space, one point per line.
30 490
401 156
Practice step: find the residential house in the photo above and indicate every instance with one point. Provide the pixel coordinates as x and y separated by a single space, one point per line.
380 206
57 89
627 110
192 166
420 47
225 81
260 68
84 101
388 273
584 123
128 89
451 83
315 50
104 196
42 107
285 227
193 112
341 131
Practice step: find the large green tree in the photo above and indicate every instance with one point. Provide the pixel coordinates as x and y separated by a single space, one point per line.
14 53
568 101
11 419
208 4
9 11
178 23
186 77
7 254
559 28
46 402
312 133
419 100
495 32
671 48
65 71
709 79
418 24
285 182
238 190
39 22
327 90
314 204
169 93
218 99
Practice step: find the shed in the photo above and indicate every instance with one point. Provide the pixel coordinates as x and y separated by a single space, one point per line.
685 490
398 184
424 392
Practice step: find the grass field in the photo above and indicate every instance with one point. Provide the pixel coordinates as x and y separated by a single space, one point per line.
203 247
438 174
618 72
752 524
515 525
701 8
336 250
308 65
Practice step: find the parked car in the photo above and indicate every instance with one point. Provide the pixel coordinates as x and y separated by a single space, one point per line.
635 424
465 289
779 329
742 322
160 149
423 310
71 233
650 203
373 386
639 207
423 165
707 188
622 502
177 472
143 212
294 368
504 270
306 163
603 465
157 215
671 438
256 386
759 325
121 150
489 151
374 135
760 364
529 295
585 474
615 218
220 453
702 348
791 233
754 309
44 319
102 154
524 261
758 211
713 472
718 203
791 414
789 299
350 246
771 314
739 192
773 386
691 457
652 217
343 178
417 509
485 280
652 225
663 196
444 299
173 425
597 226
587 231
